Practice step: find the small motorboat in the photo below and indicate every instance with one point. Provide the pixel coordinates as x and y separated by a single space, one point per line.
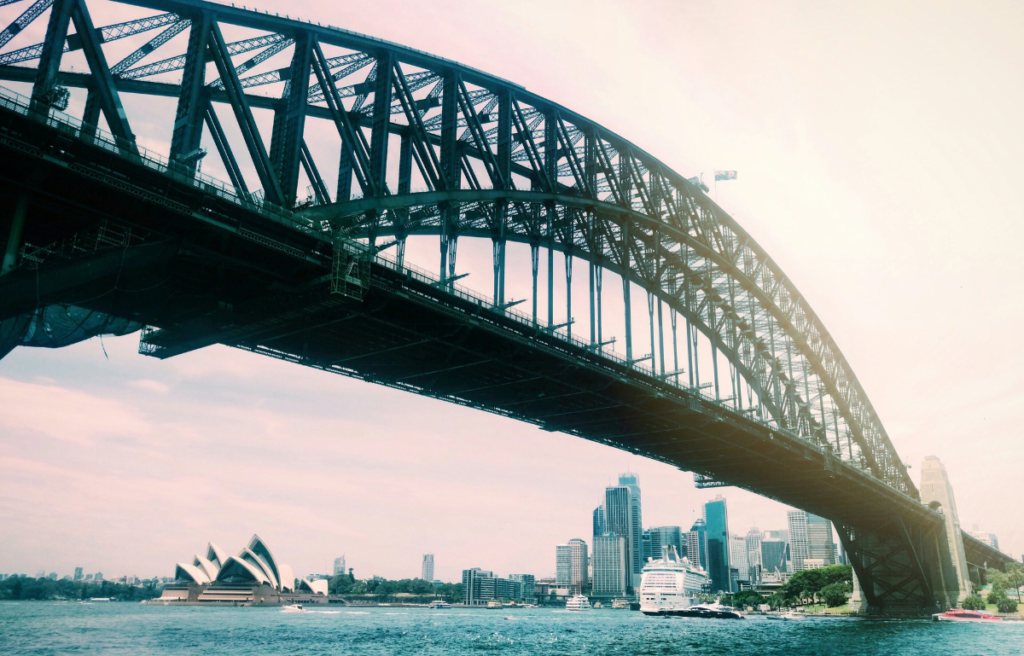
961 615
791 615
293 608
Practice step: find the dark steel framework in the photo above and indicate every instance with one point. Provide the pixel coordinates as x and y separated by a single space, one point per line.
493 161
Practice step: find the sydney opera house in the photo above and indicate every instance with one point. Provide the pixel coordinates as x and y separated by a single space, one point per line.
253 576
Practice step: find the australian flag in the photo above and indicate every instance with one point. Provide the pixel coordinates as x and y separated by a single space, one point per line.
724 175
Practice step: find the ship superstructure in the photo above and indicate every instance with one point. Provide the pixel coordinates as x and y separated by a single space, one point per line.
670 584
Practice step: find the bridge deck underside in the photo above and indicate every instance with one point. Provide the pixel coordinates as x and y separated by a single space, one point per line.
242 279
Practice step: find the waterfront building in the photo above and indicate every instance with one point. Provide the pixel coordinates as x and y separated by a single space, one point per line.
716 516
471 586
599 525
427 571
78 574
339 565
252 576
739 561
563 565
578 565
773 557
609 566
527 586
481 586
636 556
696 544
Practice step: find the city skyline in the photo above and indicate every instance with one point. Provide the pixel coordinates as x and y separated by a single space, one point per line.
140 438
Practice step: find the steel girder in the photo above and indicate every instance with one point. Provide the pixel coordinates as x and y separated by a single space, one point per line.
607 201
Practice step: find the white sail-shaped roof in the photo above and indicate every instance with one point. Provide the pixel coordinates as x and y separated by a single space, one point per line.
250 557
287 578
186 572
216 555
236 570
257 546
209 568
319 586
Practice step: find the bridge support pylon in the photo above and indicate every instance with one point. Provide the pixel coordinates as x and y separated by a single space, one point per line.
937 493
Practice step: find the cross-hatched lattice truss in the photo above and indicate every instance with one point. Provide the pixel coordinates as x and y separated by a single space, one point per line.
490 160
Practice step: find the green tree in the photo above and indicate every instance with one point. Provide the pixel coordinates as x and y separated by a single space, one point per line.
1013 578
996 596
747 598
834 594
1007 605
973 602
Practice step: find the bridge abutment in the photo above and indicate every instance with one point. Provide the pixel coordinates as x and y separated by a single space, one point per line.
937 493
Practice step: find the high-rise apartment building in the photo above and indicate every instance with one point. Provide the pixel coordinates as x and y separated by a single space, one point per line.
578 565
738 558
339 565
563 565
609 566
716 516
696 544
78 574
636 556
427 571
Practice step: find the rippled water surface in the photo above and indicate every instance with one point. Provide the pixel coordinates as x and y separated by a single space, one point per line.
122 628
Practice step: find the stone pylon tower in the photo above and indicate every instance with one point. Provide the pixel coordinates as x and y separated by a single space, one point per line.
937 493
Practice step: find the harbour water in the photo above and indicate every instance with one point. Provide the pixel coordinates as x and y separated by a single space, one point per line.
129 628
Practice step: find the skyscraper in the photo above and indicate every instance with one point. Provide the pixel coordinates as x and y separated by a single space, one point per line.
578 561
811 543
647 549
78 574
563 565
427 572
738 558
773 557
663 536
609 566
798 538
599 525
339 565
820 545
754 553
696 543
716 516
636 557
617 522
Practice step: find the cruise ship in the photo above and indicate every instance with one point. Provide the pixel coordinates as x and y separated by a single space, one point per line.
671 584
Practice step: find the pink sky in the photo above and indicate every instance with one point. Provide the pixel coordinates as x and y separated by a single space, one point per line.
877 147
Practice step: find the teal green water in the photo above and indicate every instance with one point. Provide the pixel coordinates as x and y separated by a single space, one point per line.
123 628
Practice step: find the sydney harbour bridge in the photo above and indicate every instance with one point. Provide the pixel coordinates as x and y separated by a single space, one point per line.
744 385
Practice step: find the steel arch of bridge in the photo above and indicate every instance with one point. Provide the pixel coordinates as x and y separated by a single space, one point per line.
497 161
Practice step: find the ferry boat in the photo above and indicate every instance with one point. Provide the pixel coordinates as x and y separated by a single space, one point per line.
671 584
439 604
961 615
577 603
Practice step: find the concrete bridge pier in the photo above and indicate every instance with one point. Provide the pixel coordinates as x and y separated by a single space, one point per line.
937 493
